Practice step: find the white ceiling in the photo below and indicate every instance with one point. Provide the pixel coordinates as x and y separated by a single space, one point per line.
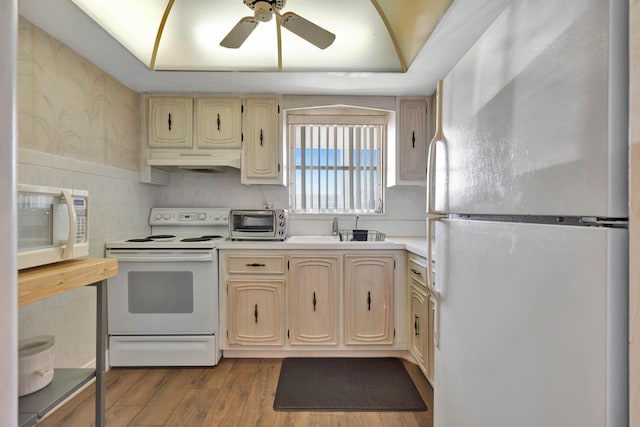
459 28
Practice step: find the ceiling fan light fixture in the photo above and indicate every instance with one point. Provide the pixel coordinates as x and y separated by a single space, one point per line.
263 11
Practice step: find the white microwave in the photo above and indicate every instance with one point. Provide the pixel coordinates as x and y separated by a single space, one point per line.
52 225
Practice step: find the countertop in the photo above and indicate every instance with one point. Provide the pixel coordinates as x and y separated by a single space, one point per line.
41 282
413 244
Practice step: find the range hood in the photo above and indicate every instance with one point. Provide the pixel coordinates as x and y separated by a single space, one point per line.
200 160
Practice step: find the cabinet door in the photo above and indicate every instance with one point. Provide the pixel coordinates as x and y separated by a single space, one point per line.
261 146
255 312
368 299
413 139
170 121
419 300
218 123
431 310
313 299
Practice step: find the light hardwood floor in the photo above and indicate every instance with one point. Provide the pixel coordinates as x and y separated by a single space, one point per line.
236 392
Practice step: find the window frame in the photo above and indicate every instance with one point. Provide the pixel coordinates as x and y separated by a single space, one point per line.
337 115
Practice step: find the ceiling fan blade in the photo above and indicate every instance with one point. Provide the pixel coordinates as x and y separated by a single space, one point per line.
239 33
307 30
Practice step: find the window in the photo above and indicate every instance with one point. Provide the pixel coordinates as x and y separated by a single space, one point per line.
336 160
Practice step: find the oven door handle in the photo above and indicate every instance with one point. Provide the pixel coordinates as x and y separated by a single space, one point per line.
160 256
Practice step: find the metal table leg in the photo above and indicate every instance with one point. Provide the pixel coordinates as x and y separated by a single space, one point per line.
101 322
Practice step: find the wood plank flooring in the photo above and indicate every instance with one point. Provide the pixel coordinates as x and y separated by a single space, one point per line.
236 392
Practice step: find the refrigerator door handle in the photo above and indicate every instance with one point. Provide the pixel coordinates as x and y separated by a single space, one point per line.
437 292
432 214
431 151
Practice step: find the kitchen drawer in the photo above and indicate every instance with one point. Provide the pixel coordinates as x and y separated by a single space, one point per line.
260 264
418 270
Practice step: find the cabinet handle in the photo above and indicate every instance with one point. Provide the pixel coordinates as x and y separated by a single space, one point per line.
314 301
413 139
255 264
416 272
416 326
261 137
218 121
255 312
169 121
369 300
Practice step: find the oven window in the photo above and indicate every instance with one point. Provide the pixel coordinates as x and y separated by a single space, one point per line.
160 292
248 222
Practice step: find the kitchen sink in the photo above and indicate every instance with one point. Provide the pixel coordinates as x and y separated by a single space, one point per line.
311 239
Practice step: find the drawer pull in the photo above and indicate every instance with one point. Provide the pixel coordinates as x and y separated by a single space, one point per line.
255 312
256 264
416 272
169 121
314 301
219 122
416 326
369 300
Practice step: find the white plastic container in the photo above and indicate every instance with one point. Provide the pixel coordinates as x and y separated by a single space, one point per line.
35 363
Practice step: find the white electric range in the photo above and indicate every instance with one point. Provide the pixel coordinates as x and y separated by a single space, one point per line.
163 303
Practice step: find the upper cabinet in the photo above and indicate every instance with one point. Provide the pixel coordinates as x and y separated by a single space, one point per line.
218 122
261 148
413 140
408 143
170 122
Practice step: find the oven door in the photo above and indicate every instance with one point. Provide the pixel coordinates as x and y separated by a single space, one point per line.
163 292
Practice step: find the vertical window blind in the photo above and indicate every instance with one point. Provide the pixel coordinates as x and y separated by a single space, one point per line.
336 163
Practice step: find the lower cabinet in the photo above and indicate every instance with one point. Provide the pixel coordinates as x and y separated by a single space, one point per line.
303 300
256 312
368 299
422 306
313 299
419 300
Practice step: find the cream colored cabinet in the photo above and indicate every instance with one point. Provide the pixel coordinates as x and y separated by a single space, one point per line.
218 122
419 317
170 120
255 299
313 299
412 156
368 299
261 147
431 312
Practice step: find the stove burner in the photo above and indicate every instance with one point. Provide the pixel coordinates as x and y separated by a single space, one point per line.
141 239
196 239
161 236
212 236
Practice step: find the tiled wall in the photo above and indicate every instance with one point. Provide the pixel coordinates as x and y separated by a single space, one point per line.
634 215
404 206
77 128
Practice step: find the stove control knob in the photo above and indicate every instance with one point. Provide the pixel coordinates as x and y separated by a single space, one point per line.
158 215
202 216
167 216
218 216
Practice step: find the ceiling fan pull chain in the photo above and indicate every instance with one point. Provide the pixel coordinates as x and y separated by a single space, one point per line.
261 137
169 121
219 122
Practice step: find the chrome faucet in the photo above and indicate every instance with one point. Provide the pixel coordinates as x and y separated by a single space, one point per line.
334 226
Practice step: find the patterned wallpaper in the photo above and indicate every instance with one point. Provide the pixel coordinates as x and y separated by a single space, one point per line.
69 107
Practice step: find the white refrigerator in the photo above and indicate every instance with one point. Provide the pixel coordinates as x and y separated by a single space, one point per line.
527 204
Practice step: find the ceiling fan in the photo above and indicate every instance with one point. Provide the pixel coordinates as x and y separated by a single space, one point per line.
263 12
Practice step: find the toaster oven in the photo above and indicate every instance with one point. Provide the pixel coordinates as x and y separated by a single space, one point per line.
265 224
